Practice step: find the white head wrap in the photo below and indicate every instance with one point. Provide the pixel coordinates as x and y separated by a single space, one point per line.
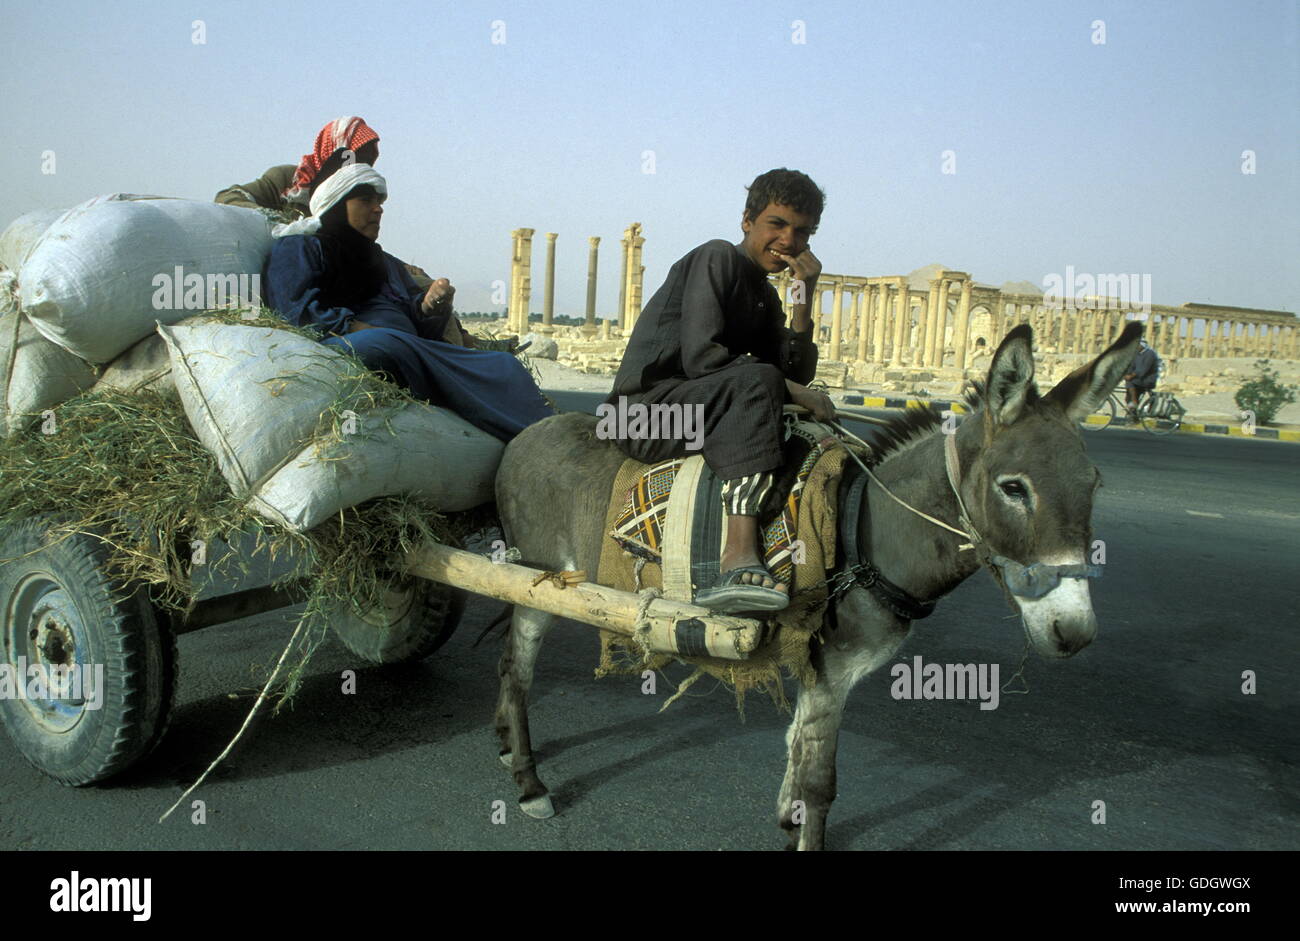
328 195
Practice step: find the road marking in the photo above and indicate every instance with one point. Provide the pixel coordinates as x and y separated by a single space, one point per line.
1275 514
1217 516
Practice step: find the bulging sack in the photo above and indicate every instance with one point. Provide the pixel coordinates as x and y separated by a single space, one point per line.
259 399
21 236
35 375
107 270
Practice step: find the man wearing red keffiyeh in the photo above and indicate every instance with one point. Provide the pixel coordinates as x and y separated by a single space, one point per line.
286 188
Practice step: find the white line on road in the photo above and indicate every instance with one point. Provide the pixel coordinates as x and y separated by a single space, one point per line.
1217 516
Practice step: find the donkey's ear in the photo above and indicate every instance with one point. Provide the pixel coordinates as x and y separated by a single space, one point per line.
1011 376
1081 392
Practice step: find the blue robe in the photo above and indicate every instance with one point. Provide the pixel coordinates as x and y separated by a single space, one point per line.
490 390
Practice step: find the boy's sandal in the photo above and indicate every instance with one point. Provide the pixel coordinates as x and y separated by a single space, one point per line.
729 596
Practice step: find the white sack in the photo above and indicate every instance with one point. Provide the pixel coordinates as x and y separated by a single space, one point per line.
415 449
18 240
35 374
144 365
256 397
107 270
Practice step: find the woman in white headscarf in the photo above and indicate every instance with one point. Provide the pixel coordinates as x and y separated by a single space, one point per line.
328 272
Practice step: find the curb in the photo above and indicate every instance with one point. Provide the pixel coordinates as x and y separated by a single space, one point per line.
1191 428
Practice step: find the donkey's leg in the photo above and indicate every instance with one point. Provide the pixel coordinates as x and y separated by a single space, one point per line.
809 784
865 639
527 628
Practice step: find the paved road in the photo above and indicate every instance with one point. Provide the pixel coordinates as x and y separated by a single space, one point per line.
1150 719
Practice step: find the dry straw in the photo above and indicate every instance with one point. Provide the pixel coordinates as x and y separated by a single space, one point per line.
127 468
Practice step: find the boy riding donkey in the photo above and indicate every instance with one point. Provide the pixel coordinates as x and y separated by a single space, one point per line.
714 335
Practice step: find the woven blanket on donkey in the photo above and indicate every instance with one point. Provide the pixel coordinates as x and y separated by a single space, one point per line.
799 543
673 516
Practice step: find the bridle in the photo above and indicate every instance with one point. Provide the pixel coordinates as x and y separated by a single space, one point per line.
1016 579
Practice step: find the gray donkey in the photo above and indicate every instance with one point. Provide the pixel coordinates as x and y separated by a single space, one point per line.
1011 488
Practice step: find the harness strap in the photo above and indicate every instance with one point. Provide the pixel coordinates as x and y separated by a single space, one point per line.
857 570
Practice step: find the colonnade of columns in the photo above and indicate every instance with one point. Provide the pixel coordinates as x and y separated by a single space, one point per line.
884 320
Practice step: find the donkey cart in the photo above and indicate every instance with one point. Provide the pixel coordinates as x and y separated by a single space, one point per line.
65 617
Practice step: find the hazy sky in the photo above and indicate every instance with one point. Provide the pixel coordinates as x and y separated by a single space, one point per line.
1115 157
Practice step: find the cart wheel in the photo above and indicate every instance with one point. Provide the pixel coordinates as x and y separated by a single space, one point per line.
415 619
60 609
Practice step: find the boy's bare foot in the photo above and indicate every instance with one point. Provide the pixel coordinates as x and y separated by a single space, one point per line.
744 583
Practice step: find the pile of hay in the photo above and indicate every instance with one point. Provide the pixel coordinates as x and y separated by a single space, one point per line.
127 467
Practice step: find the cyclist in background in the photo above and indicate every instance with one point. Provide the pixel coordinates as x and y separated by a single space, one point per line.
1140 378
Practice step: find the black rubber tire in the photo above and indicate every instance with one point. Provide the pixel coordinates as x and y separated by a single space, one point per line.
1153 424
118 628
418 618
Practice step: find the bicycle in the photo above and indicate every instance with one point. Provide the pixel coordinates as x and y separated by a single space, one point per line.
1157 412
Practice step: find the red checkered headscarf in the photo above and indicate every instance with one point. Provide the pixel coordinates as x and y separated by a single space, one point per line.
348 131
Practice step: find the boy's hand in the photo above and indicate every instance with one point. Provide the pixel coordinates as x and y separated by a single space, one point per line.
819 403
803 267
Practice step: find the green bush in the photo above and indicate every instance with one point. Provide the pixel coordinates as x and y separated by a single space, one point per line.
1264 394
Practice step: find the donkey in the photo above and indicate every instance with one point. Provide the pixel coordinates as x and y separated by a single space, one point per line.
1011 487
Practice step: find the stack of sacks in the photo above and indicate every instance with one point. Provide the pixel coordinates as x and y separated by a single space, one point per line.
86 285
258 399
35 374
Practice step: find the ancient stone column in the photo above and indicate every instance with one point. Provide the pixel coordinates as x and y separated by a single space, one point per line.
604 329
548 298
1076 338
636 275
939 329
920 342
622 282
925 355
815 312
589 328
880 323
513 300
1294 347
522 286
903 308
902 332
837 314
865 326
961 328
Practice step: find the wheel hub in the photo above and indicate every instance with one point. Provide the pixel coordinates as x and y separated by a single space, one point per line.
46 633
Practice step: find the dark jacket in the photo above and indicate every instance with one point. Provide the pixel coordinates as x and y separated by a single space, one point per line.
716 309
1144 367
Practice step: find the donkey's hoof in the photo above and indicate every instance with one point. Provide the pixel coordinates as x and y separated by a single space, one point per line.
539 808
506 758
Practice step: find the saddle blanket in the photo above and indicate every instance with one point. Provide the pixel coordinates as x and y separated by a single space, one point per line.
673 516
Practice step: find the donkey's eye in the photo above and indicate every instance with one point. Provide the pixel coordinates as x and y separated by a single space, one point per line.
1014 489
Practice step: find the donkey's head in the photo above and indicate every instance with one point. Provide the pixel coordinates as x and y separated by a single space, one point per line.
1029 487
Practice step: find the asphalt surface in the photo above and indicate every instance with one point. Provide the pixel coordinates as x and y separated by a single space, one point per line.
1203 537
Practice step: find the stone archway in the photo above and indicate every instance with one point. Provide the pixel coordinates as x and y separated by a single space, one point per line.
981 326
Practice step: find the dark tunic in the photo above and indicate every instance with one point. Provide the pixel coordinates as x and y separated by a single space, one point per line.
492 391
1144 369
714 335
